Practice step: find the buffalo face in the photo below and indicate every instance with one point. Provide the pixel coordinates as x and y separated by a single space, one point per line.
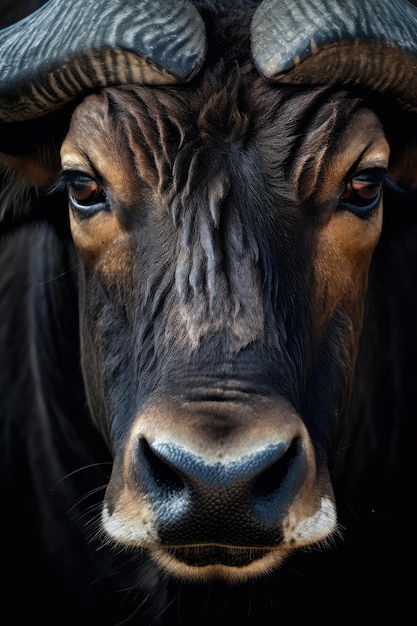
224 241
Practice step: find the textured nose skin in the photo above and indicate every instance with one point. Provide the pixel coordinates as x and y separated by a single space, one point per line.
240 502
227 486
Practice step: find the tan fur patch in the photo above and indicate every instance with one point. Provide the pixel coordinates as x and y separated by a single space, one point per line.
345 242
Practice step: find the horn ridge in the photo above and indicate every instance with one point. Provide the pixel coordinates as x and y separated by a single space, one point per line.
151 41
372 44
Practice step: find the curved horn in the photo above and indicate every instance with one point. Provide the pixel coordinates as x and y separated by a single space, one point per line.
372 44
67 48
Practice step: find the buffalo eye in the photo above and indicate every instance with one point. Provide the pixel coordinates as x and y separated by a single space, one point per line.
362 193
86 195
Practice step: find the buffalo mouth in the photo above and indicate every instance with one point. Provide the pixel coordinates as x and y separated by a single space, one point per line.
210 562
203 556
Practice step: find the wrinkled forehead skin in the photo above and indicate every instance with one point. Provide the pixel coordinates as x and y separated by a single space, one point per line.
223 213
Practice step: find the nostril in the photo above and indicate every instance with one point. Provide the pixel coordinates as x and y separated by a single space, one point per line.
278 477
157 470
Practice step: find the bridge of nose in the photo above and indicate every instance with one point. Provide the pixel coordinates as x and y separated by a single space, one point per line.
214 432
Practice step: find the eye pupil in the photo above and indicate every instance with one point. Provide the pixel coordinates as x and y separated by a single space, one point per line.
365 190
85 192
361 190
362 194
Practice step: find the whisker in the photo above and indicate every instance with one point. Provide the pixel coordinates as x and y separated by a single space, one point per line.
86 496
79 469
50 280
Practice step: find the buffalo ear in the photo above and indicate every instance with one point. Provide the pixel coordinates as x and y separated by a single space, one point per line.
37 169
29 159
403 163
404 166
400 129
22 178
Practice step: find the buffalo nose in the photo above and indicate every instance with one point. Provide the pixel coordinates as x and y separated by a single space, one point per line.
239 501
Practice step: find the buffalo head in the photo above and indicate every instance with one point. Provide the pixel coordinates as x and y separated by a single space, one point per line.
225 200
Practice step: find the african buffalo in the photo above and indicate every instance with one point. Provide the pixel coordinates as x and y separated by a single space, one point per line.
208 318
